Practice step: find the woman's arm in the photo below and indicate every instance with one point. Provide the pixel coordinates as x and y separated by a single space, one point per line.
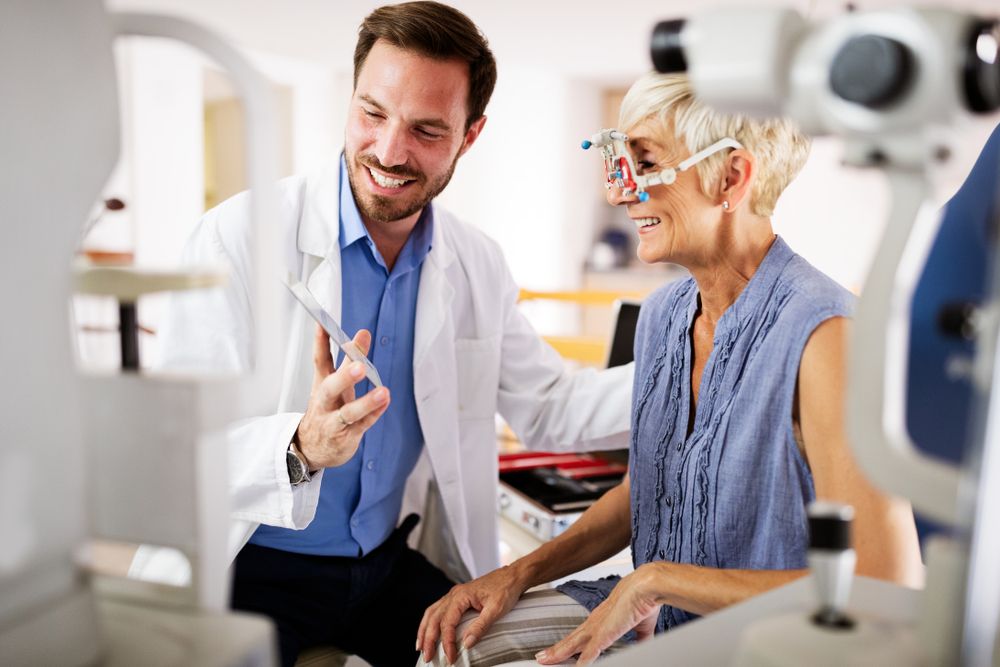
635 603
885 536
603 530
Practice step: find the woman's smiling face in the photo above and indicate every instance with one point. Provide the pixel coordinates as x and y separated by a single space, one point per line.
676 220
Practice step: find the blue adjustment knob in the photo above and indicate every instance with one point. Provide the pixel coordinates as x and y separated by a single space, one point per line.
586 144
643 196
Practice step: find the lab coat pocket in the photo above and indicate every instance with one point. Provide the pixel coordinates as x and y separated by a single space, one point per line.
477 363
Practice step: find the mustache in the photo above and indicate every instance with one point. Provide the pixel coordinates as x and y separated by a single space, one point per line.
401 171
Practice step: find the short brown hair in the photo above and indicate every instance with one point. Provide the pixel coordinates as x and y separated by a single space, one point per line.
436 31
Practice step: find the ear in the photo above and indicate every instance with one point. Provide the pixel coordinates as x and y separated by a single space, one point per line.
471 135
737 176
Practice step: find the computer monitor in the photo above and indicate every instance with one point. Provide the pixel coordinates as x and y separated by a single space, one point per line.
621 350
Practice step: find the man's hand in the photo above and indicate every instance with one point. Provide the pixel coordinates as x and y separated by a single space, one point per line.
493 595
334 422
632 605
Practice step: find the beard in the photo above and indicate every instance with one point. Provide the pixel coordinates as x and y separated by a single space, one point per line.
378 208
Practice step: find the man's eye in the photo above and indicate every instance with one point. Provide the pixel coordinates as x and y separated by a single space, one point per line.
371 114
428 134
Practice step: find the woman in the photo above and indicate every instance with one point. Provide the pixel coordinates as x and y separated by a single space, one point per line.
737 413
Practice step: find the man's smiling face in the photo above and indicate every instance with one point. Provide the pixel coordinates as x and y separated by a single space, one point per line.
405 131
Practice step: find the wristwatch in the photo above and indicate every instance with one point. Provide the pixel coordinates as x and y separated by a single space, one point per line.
298 471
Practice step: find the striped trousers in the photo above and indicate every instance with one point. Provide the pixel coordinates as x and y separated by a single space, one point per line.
539 620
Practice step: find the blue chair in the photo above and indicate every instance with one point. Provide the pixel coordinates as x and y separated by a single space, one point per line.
940 406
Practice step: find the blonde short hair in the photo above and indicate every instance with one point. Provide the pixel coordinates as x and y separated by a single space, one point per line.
777 144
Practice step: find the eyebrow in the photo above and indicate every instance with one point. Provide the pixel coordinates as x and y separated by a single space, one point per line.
426 122
648 143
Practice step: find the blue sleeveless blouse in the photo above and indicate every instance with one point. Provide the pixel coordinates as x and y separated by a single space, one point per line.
733 493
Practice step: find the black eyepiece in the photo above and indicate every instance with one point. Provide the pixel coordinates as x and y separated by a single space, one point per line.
982 67
872 70
666 49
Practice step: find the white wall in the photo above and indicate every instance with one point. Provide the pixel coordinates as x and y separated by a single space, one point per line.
159 177
834 215
526 182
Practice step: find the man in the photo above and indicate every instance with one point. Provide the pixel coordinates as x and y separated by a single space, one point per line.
318 487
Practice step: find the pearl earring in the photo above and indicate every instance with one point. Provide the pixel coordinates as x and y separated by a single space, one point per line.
725 205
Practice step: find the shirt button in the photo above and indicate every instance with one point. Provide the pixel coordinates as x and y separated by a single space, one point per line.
371 465
384 340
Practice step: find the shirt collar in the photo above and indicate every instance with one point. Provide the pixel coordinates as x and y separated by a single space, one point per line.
352 228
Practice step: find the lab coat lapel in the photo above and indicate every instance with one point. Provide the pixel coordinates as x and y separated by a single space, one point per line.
433 364
318 241
434 295
319 237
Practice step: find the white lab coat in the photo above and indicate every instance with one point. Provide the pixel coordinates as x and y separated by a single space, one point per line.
474 355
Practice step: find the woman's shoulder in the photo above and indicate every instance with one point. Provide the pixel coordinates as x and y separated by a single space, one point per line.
812 290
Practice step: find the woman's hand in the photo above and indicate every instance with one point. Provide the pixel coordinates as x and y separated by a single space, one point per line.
493 595
634 604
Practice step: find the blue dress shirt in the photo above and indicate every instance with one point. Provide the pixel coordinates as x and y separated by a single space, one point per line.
359 501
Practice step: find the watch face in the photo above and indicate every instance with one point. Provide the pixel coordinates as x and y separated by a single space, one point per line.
296 471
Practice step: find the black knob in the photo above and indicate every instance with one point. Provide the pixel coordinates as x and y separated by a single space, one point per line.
666 49
958 320
832 562
830 530
981 80
872 71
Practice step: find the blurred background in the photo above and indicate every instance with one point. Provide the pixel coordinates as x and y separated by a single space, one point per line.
563 68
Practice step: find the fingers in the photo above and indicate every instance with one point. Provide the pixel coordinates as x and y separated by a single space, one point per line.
356 412
449 621
430 636
366 422
560 651
423 625
361 343
363 339
478 627
322 357
440 623
582 642
331 390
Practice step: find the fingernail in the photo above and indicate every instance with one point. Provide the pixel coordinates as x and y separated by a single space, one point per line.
469 641
357 369
381 395
417 646
541 655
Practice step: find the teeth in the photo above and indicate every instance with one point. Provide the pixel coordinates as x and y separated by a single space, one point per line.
385 181
646 222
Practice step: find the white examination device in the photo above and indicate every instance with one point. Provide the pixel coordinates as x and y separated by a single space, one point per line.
891 84
132 457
